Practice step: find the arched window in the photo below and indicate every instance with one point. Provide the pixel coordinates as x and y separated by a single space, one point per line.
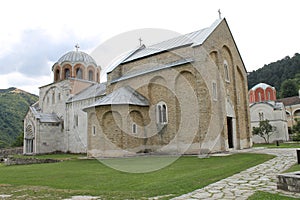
259 97
134 128
162 113
215 97
29 137
75 121
226 71
91 75
94 130
98 77
67 73
53 98
79 73
269 95
261 116
57 75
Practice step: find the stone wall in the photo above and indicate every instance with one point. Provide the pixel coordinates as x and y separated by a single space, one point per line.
11 151
27 161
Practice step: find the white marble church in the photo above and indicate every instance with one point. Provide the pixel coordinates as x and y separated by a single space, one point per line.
182 95
56 122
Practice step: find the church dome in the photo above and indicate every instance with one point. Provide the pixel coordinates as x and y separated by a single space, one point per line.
262 85
77 56
262 92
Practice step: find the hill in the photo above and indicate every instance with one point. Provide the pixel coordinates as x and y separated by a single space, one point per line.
13 107
276 72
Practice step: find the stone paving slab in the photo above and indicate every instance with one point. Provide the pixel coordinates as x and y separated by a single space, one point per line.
258 178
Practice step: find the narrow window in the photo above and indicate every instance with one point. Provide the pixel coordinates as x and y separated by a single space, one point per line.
215 97
261 116
91 74
259 97
134 128
162 113
159 114
79 73
269 96
53 98
59 96
94 130
57 74
226 71
76 120
67 73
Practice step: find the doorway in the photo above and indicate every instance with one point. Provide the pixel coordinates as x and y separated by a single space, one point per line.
230 132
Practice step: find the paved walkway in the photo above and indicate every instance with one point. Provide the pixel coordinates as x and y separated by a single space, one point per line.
242 185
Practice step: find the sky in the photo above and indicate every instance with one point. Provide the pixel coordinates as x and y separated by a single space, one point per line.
34 34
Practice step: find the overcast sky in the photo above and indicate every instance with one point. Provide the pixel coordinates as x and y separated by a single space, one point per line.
34 34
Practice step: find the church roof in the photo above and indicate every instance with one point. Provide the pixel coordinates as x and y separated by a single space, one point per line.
191 39
261 85
122 96
93 91
154 68
290 100
77 56
48 118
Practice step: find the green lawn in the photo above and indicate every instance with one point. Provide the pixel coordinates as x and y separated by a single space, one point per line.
268 196
90 177
281 145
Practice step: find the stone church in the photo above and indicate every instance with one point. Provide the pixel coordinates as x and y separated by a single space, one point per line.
185 95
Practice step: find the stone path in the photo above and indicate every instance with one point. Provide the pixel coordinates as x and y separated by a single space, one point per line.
258 178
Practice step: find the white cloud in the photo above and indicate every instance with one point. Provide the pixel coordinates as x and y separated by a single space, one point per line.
265 31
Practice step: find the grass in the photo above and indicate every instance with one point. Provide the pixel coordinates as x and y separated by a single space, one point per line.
268 196
281 145
91 177
294 168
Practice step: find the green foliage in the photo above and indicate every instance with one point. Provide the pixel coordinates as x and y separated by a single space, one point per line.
13 107
91 177
260 195
275 73
288 88
281 145
296 131
265 130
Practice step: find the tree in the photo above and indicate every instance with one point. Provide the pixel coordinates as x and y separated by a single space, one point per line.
265 130
288 88
296 131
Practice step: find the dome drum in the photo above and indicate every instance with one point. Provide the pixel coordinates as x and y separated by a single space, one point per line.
76 64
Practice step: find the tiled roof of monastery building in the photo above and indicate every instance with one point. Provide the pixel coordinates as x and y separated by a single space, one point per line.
191 39
290 100
93 91
122 96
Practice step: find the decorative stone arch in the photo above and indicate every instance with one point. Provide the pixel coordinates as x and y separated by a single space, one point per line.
214 56
270 94
91 74
112 127
49 96
259 95
79 71
296 113
29 136
98 75
94 128
67 71
156 85
228 65
57 73
135 123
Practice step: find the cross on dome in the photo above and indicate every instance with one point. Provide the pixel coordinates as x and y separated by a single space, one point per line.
77 46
